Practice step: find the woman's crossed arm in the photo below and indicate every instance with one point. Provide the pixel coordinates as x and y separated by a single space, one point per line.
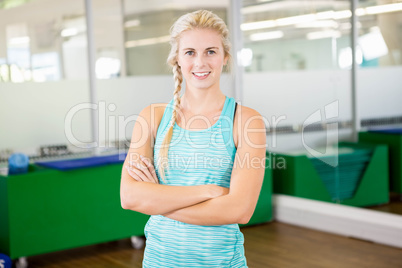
147 196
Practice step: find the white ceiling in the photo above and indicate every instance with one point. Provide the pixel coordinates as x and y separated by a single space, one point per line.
143 6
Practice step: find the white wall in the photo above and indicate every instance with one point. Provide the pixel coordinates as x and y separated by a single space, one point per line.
296 95
381 92
33 114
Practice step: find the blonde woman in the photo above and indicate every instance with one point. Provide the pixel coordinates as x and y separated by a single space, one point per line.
209 157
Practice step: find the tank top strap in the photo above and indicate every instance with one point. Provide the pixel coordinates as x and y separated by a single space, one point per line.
227 118
167 116
229 110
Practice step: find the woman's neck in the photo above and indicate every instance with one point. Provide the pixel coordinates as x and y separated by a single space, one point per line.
202 102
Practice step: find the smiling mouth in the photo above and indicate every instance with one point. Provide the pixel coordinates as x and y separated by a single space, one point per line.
201 74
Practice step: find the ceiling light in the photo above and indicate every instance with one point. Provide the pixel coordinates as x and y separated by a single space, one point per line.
384 8
326 15
131 23
69 32
258 25
323 34
318 24
295 19
343 14
148 41
266 36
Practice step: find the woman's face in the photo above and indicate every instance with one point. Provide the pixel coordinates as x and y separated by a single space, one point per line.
201 58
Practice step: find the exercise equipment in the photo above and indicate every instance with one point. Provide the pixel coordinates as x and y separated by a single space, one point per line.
356 175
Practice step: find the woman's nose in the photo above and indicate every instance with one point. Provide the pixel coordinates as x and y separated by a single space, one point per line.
199 60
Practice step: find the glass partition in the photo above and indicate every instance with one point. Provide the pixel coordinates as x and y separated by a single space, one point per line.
294 75
44 67
43 76
295 35
380 33
379 85
146 30
39 46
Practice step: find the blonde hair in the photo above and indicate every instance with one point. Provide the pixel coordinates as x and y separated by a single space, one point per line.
201 19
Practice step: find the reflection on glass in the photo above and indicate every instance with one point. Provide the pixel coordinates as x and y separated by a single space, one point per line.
289 35
34 39
4 73
17 74
107 68
74 48
345 57
45 67
146 29
295 35
379 34
18 52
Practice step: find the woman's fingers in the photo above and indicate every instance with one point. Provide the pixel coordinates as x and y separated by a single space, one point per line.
142 170
150 167
134 168
133 174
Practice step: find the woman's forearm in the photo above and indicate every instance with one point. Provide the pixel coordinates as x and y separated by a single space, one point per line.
154 199
225 209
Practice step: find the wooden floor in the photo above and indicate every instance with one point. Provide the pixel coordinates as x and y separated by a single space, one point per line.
272 244
394 206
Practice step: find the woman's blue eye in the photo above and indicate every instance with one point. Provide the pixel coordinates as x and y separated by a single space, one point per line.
210 52
190 53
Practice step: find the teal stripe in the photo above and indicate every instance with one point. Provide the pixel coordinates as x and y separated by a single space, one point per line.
195 158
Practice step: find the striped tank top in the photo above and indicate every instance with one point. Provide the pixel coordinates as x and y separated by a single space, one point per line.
196 157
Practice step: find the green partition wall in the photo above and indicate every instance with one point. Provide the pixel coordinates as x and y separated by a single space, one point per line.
263 211
48 210
394 143
300 178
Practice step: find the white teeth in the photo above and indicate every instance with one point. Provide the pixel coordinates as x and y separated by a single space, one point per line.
201 74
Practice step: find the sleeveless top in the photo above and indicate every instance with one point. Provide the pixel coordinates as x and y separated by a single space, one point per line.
196 157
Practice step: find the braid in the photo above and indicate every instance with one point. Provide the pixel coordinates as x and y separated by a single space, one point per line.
178 79
163 153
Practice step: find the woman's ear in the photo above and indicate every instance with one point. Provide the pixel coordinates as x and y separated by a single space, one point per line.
225 60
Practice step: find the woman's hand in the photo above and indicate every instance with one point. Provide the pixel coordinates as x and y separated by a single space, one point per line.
142 170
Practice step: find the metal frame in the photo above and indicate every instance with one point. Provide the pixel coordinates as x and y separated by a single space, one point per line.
235 18
92 76
354 97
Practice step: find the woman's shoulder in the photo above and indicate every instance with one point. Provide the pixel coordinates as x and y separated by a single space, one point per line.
153 110
247 120
153 114
246 112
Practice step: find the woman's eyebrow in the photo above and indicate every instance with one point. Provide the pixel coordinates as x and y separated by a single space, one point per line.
208 48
